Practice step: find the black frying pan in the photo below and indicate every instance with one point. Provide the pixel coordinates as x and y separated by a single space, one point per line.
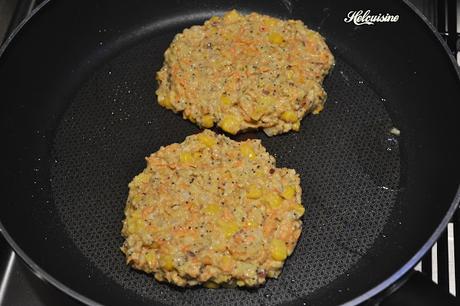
79 115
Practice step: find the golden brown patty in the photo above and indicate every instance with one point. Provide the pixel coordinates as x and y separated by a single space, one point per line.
245 72
212 211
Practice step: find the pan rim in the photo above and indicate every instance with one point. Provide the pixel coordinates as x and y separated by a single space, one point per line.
42 274
455 202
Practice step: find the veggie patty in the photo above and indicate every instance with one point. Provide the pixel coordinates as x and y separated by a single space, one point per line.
212 211
245 72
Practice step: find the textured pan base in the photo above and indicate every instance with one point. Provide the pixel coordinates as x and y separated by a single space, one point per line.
345 156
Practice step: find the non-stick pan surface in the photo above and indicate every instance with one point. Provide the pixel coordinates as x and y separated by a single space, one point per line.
80 115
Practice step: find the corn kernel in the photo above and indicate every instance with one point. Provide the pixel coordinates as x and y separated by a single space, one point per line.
165 102
230 124
132 229
298 209
212 209
214 19
257 113
318 109
231 16
266 101
207 140
247 151
278 250
289 116
229 228
135 224
296 126
270 22
240 283
141 178
150 258
136 214
218 245
226 263
275 38
185 157
272 199
192 119
140 225
253 192
166 261
211 285
261 173
207 121
288 192
225 100
311 34
135 198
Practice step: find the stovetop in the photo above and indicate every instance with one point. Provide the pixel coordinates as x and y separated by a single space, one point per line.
20 286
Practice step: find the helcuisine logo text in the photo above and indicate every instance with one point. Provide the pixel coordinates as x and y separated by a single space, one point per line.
364 17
